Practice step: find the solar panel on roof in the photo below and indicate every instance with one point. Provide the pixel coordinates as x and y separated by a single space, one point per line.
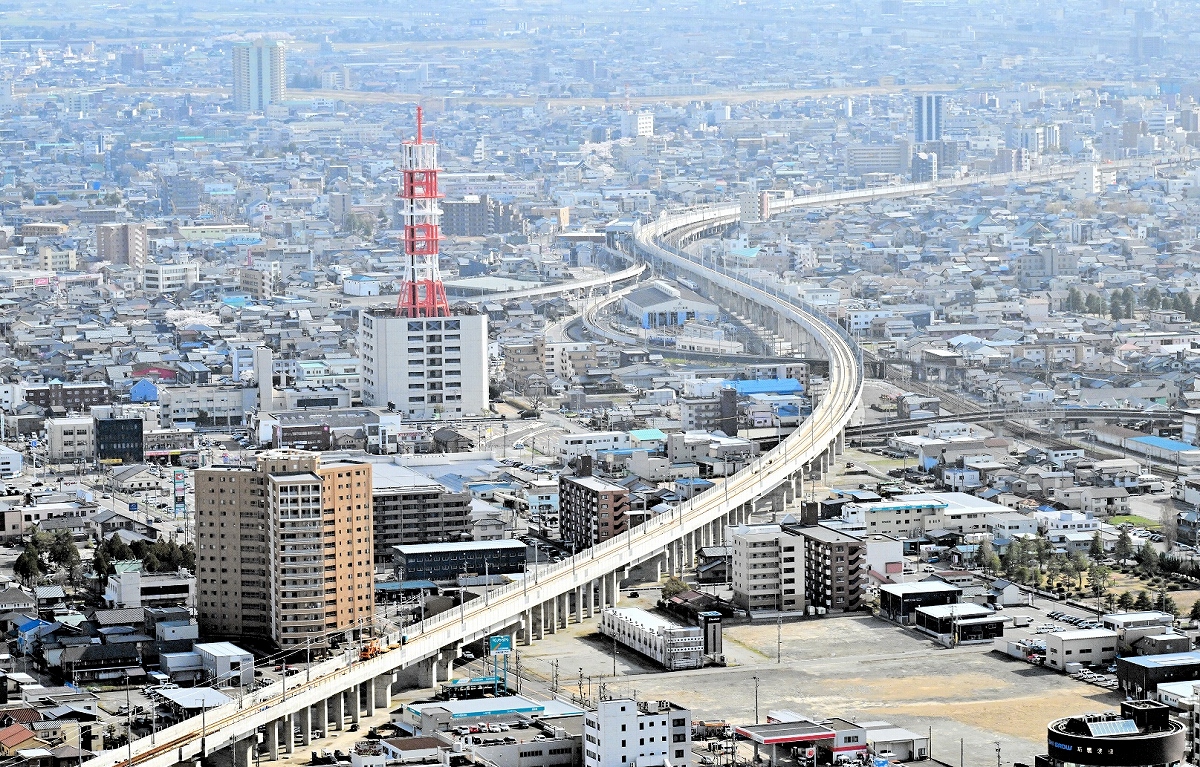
1113 727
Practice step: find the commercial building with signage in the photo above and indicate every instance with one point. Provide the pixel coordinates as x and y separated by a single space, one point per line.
1143 734
119 440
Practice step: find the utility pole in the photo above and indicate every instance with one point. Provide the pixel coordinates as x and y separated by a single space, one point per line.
517 661
779 640
755 699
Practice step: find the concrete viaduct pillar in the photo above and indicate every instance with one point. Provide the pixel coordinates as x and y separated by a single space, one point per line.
289 734
272 736
305 725
383 690
321 709
339 711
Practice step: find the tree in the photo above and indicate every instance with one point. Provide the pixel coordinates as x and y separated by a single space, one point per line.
1074 300
1167 604
1147 558
1116 308
1014 557
1194 613
28 566
985 557
102 566
673 587
1170 529
63 551
1142 602
1126 600
1098 577
1153 299
1110 601
1096 549
117 549
1124 549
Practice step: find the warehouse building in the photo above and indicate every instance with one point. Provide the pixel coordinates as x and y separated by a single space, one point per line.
1143 632
447 561
961 623
671 645
1140 676
1089 646
899 601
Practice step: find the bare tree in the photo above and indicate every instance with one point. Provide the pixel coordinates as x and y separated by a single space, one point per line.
1170 526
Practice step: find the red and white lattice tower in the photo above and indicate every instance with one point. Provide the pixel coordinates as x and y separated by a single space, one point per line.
422 293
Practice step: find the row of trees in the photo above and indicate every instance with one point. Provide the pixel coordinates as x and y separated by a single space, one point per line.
46 551
1034 562
1122 303
157 557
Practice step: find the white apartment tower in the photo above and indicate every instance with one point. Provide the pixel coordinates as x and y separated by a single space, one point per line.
425 367
259 74
635 124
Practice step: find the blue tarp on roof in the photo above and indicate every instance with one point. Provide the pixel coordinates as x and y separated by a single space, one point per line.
647 434
769 386
405 586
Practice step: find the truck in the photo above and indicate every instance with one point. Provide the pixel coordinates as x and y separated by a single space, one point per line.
1021 620
1151 483
369 650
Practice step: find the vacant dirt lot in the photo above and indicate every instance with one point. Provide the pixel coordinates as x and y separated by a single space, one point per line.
857 667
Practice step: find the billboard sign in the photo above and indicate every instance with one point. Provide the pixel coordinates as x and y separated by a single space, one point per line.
500 645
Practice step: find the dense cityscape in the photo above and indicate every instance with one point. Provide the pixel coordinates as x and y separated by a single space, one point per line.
543 384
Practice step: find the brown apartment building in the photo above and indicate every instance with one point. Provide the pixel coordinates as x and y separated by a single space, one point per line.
834 569
284 549
591 509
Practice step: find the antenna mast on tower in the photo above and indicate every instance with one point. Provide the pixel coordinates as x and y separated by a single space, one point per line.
422 293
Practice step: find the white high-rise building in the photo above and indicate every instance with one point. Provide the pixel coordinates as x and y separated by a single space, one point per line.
259 74
426 367
634 124
621 732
